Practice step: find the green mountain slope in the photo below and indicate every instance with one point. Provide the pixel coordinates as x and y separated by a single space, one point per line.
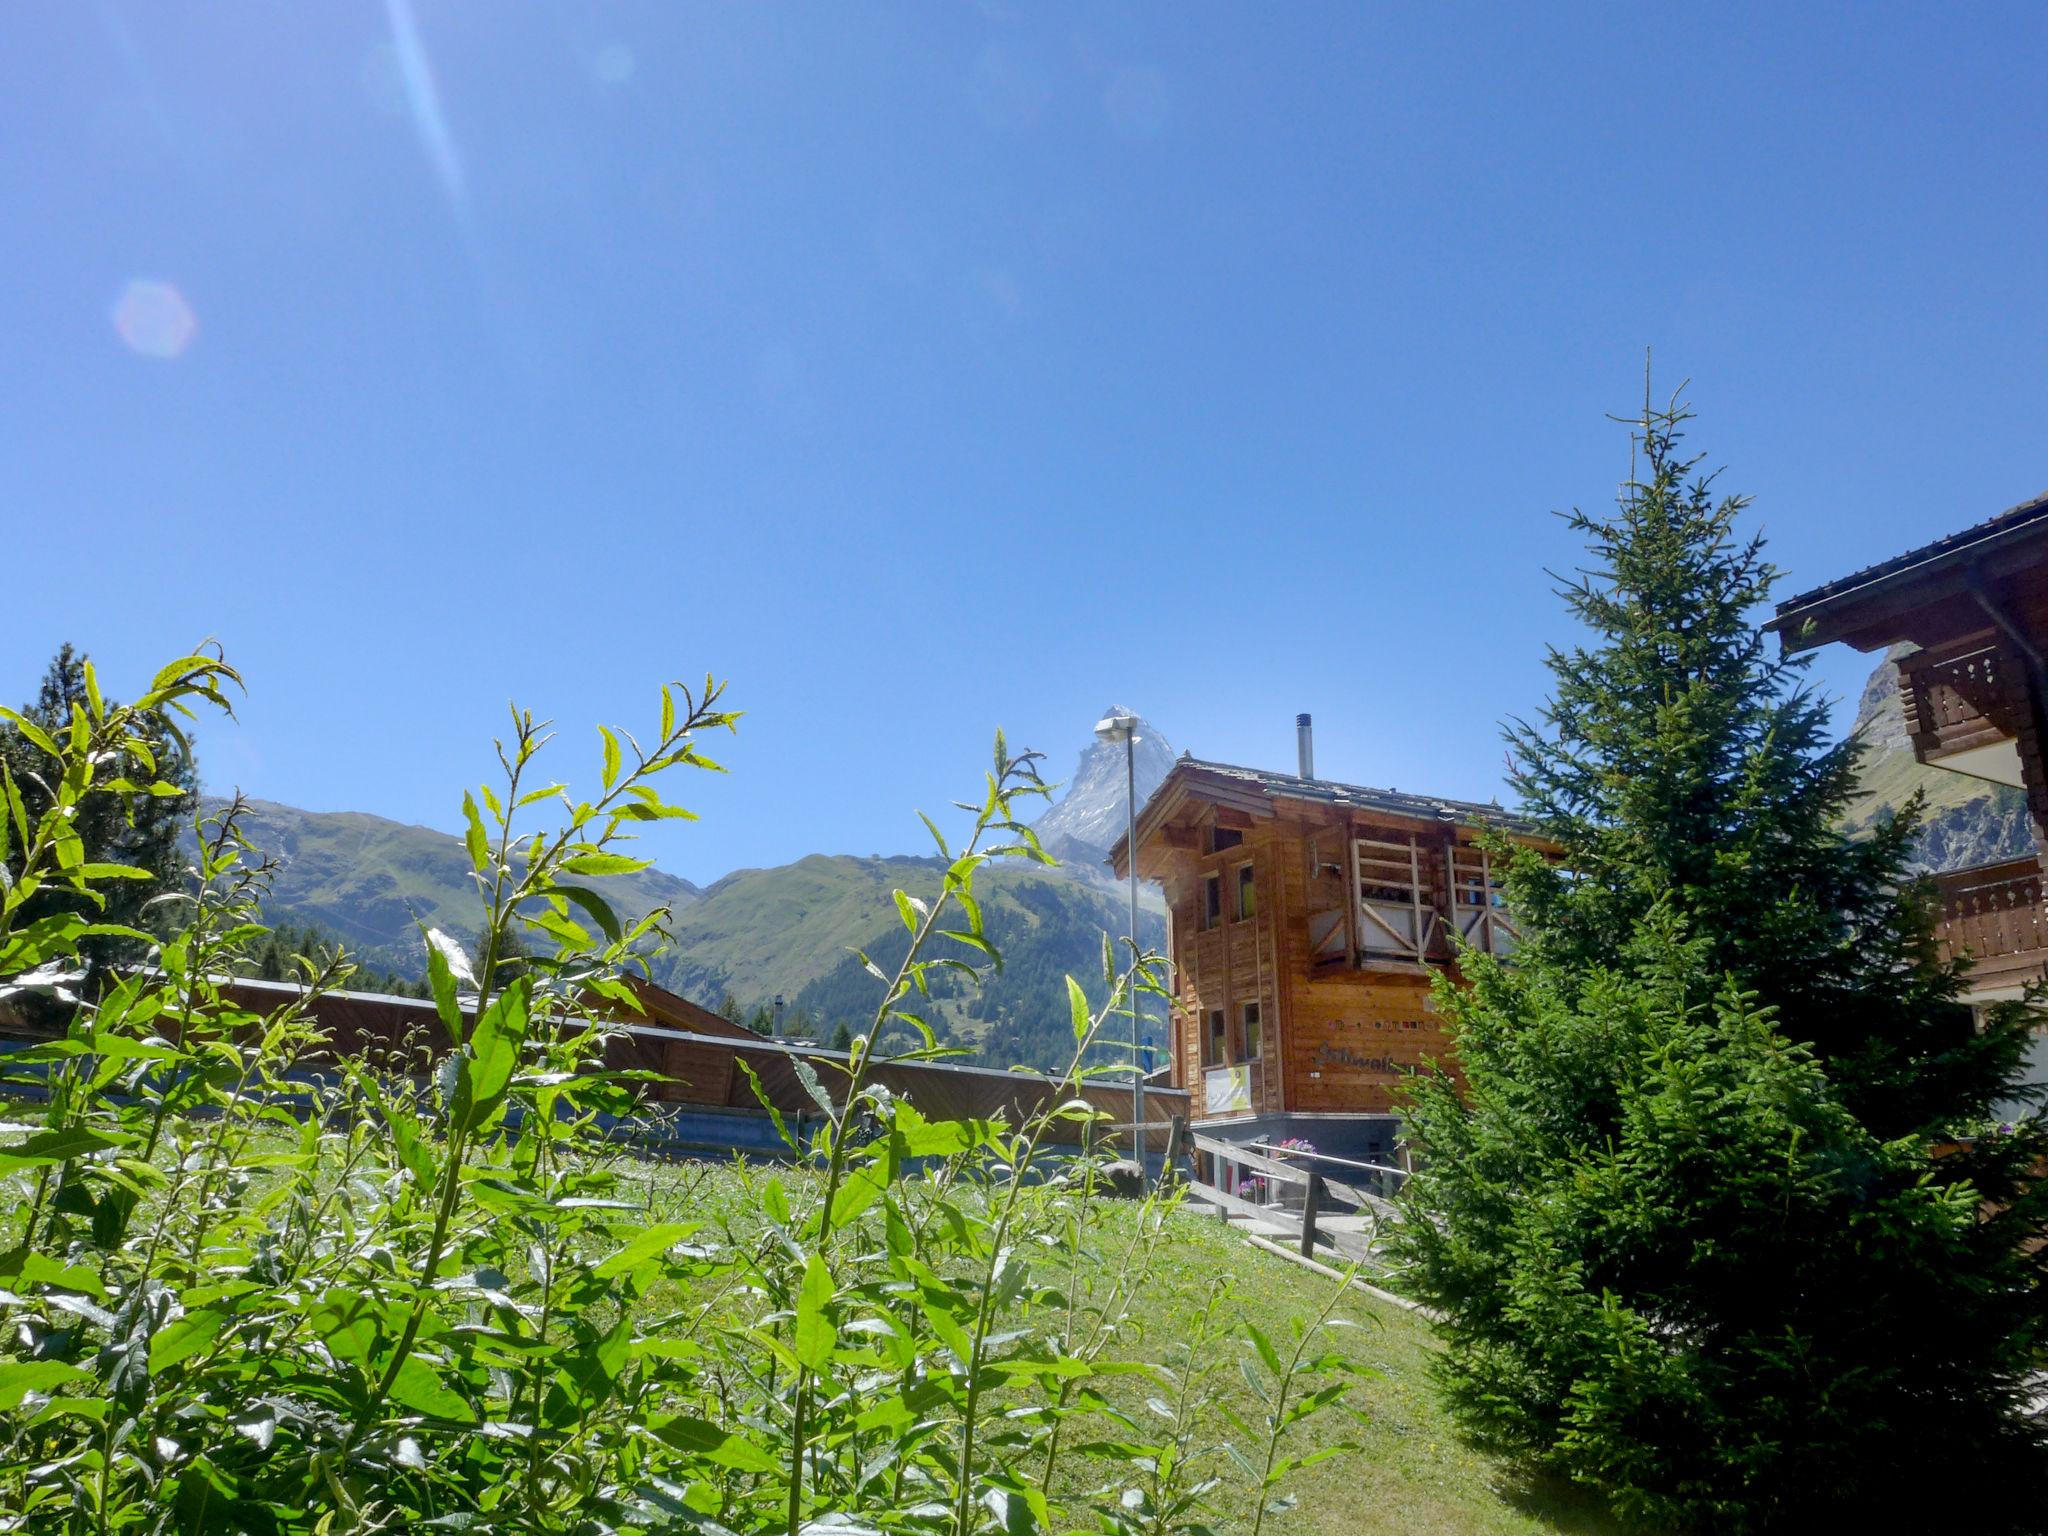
791 931
1967 822
371 882
762 933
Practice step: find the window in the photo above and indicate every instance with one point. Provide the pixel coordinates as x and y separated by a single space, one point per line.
1222 839
1249 1034
1212 901
1247 893
1212 1040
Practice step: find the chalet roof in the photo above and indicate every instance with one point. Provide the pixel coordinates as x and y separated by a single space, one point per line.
1955 553
1288 786
1254 790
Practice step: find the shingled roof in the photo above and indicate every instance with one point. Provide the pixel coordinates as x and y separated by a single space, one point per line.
1288 786
1958 549
1253 790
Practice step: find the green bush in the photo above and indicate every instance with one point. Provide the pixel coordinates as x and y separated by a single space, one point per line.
253 1288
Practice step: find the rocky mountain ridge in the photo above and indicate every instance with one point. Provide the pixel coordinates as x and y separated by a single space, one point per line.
1090 814
1967 822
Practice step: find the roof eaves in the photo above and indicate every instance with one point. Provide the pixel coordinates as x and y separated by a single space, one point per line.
1972 542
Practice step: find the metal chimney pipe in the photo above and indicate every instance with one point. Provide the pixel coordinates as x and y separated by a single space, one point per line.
1305 744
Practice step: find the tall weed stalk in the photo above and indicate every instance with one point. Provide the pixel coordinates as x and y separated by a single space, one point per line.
263 1278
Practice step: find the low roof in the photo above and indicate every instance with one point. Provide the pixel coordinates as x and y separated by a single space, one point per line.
1255 790
1826 612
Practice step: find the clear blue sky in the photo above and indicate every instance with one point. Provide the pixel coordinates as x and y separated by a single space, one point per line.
931 367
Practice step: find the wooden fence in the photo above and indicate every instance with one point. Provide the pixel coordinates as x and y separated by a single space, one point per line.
1285 1192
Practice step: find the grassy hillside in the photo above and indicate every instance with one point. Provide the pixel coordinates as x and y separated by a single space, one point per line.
791 930
1966 821
370 882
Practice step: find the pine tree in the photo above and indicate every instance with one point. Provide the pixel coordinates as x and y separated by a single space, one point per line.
137 830
1686 1222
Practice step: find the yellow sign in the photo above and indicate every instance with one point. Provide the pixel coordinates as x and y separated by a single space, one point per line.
1227 1089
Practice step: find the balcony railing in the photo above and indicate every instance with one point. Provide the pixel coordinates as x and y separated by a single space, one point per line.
1411 903
1993 911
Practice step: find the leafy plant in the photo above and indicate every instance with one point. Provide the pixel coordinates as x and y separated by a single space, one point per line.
258 1283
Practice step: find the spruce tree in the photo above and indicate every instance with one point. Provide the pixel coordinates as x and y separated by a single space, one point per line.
141 831
1694 1222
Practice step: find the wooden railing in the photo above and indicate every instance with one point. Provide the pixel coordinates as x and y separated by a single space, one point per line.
1285 1189
1993 910
1954 703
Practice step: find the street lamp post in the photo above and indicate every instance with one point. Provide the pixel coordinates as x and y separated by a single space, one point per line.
1124 728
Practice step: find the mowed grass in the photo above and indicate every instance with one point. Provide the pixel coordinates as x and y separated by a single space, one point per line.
1409 1474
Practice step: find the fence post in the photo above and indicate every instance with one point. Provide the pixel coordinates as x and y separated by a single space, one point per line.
1311 1201
1176 1148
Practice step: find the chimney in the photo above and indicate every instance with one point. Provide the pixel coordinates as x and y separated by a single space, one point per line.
1305 743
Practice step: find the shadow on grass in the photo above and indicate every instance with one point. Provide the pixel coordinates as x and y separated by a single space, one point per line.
1561 1505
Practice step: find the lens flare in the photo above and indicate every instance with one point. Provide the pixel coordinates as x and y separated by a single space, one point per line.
416 71
154 319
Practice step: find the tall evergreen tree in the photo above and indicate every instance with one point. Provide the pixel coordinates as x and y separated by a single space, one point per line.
1687 1222
137 830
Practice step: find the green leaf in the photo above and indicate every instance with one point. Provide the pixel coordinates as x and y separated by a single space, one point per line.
768 1103
441 978
938 1312
808 1076
46 1148
696 1438
492 1055
1265 1348
18 1378
859 1190
473 836
611 756
113 872
1077 1006
913 910
31 730
596 906
419 1387
655 1240
604 864
815 1333
184 1338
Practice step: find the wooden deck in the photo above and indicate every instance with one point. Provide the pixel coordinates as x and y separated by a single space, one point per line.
1285 1197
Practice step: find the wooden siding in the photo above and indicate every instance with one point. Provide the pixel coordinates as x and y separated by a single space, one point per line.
1341 1034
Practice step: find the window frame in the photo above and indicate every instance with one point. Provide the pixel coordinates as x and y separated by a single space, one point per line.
1215 1037
1246 875
1251 1027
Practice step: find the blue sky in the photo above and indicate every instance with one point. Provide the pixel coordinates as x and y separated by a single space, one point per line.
934 367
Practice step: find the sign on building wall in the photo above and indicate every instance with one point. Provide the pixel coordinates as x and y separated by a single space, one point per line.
1227 1089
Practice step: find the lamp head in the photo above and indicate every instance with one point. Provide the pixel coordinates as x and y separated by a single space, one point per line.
1118 729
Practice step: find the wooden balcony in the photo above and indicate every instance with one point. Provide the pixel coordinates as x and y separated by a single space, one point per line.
1994 915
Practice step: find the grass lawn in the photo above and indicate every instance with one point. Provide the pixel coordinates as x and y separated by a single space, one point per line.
1410 1474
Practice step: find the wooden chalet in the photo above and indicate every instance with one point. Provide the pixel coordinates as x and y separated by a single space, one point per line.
1968 615
1305 921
